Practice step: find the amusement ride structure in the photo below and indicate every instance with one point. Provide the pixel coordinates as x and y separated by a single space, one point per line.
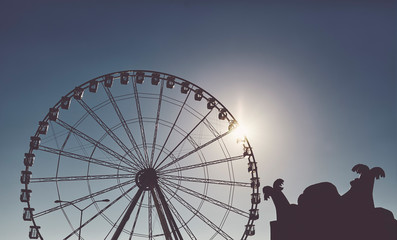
139 155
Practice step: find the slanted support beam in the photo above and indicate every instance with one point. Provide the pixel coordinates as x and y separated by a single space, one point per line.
171 221
127 214
160 213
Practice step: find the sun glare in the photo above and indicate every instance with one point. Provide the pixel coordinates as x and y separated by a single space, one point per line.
240 132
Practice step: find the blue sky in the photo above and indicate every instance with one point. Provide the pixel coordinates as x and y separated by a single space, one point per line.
313 81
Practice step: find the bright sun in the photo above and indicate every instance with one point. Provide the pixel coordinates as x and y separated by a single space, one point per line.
240 132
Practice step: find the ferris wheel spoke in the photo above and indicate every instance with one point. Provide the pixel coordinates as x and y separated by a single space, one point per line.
187 135
172 128
101 211
206 180
91 195
81 178
180 219
81 146
108 130
54 136
203 164
197 213
194 150
142 128
98 144
209 125
156 125
124 123
136 216
86 159
206 198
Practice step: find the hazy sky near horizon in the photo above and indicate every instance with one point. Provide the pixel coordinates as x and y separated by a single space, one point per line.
313 81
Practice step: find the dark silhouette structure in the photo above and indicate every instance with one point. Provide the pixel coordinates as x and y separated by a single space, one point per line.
323 214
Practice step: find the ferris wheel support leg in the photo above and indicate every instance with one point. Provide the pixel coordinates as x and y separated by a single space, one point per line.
174 227
160 213
127 214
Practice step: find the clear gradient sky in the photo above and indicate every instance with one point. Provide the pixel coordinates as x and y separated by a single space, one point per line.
313 81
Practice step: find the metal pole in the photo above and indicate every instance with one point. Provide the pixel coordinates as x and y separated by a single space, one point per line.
81 220
81 210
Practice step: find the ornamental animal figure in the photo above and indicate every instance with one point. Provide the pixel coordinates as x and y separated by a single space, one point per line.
360 197
322 213
280 201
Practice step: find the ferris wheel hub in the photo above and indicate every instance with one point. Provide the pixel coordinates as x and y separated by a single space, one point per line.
146 179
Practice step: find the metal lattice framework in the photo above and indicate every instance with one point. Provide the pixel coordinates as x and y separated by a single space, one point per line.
155 161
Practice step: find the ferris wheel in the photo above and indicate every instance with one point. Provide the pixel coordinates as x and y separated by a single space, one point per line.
139 154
